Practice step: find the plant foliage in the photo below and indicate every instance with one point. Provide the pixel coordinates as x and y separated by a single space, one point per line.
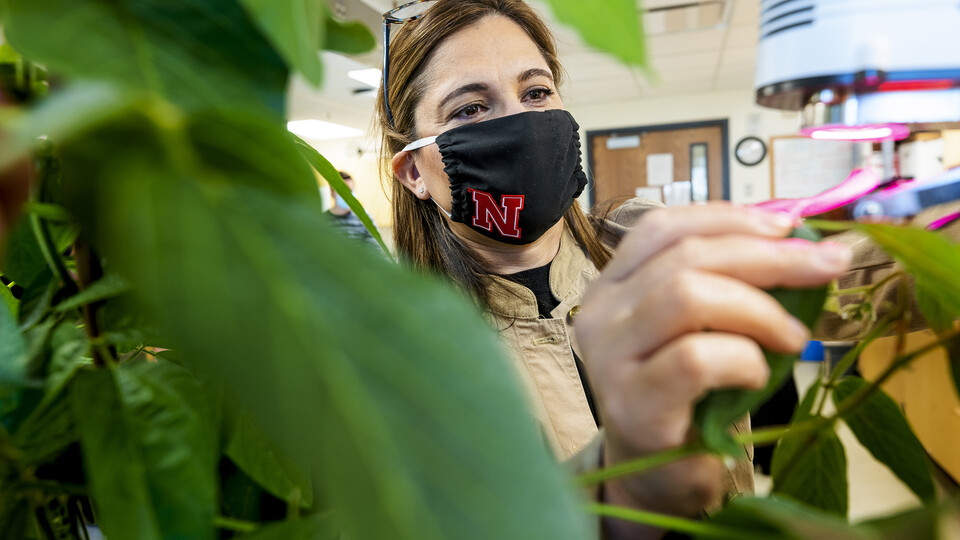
188 351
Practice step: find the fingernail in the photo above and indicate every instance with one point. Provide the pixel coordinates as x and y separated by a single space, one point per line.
776 220
834 255
799 331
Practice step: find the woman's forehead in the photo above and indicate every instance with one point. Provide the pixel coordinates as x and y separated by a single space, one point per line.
495 50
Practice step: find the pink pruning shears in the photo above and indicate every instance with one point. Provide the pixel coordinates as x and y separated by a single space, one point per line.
864 194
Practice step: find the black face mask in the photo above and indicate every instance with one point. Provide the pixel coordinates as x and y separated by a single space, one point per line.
512 178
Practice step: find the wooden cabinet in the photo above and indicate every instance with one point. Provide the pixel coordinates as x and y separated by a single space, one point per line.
926 393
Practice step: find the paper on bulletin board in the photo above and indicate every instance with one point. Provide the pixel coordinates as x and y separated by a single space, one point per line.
677 194
652 193
804 167
659 169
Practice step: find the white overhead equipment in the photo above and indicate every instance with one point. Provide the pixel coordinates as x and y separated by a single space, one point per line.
861 62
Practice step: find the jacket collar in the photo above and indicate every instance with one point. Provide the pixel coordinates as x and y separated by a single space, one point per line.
567 277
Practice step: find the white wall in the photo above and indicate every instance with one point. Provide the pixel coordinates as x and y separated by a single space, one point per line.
747 184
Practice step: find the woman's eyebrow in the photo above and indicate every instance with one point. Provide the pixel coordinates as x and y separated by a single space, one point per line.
535 72
465 89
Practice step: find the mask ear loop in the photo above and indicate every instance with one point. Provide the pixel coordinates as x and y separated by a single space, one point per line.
449 215
420 143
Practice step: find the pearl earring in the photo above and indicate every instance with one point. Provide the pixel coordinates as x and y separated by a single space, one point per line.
421 189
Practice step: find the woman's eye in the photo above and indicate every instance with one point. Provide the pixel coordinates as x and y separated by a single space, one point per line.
469 111
539 94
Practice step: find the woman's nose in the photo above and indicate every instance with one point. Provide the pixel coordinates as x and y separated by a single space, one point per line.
513 106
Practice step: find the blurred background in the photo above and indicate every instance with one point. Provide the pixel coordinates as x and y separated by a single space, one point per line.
688 129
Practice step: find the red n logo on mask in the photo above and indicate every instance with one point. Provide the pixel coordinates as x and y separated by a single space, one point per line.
505 216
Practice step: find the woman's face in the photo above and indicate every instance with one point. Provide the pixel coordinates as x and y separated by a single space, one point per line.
485 71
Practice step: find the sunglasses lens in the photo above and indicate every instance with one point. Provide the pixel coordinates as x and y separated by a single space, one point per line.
404 13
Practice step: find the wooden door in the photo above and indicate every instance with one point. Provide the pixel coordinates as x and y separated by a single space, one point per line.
619 166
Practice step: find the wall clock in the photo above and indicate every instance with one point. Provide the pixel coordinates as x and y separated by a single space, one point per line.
750 151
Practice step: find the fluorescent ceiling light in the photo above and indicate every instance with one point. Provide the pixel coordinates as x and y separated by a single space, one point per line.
369 77
874 132
319 130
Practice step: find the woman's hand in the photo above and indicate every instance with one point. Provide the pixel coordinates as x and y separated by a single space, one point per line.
680 311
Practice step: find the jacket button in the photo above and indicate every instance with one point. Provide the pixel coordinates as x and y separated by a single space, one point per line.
573 312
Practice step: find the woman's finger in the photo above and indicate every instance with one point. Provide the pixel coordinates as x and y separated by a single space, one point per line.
762 262
692 301
661 228
654 407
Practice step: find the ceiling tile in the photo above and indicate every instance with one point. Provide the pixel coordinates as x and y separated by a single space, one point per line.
743 36
734 81
739 55
685 42
745 12
583 92
705 61
593 66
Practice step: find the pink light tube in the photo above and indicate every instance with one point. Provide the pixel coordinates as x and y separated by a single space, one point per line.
859 183
867 133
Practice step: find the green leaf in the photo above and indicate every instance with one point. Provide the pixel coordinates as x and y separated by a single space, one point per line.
147 450
811 467
13 305
938 315
332 176
378 377
258 457
613 26
929 256
15 516
915 524
778 518
804 410
50 426
880 426
720 409
24 263
315 527
348 37
13 350
8 55
195 53
108 286
295 28
67 113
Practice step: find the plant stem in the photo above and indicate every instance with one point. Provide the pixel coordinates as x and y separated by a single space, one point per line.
825 225
89 270
760 437
234 524
672 523
848 359
640 465
770 435
899 363
42 234
856 399
869 288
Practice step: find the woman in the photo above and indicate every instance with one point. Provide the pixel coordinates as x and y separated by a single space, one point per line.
486 168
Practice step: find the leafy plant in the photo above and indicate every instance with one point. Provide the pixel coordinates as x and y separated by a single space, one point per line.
186 349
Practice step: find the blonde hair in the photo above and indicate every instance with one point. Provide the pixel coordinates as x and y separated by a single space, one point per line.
421 235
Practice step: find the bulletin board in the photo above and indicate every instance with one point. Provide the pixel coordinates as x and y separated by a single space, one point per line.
802 167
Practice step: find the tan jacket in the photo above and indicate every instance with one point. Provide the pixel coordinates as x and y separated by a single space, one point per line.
542 349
